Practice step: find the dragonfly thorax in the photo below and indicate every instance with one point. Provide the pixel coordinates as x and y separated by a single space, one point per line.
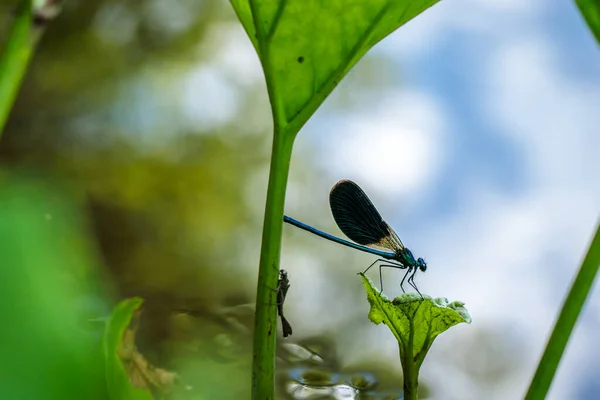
405 256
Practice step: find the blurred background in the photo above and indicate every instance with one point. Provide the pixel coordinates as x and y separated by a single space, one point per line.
145 126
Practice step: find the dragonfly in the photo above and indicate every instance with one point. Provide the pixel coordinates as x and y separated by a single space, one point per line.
283 285
358 219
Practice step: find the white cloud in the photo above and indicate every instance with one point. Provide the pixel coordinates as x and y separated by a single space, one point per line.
396 147
208 99
551 116
232 52
490 18
506 258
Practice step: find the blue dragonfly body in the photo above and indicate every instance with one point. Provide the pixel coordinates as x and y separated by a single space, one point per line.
358 218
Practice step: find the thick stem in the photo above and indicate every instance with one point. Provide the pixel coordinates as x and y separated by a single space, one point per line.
265 320
15 59
410 369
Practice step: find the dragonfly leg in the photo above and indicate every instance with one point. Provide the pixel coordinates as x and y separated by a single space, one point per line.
278 283
405 275
395 266
273 289
411 281
374 262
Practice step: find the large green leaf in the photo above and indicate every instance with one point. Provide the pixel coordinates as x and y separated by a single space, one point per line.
307 46
590 9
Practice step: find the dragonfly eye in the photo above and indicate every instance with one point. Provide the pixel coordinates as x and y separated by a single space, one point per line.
422 264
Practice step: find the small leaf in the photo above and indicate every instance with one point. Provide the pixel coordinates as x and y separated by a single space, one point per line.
415 322
307 46
119 385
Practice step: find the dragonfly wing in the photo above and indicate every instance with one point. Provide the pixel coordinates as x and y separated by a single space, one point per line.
358 218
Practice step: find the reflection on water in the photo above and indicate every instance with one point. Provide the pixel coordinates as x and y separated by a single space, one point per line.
307 376
297 353
310 369
218 349
313 383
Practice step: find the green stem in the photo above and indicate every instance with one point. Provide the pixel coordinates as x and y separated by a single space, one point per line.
566 322
15 59
265 320
410 369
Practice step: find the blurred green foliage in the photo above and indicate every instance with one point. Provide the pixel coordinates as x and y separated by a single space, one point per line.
163 197
47 287
166 199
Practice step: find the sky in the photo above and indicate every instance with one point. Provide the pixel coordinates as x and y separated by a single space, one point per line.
479 144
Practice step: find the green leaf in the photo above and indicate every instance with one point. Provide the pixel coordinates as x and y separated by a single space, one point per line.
117 380
307 46
590 9
415 322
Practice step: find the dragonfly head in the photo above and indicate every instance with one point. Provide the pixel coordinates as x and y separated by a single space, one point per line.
422 264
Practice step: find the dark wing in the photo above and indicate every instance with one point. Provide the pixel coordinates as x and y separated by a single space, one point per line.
358 218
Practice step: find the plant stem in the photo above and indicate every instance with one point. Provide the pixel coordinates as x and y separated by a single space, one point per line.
15 59
410 369
265 320
566 321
